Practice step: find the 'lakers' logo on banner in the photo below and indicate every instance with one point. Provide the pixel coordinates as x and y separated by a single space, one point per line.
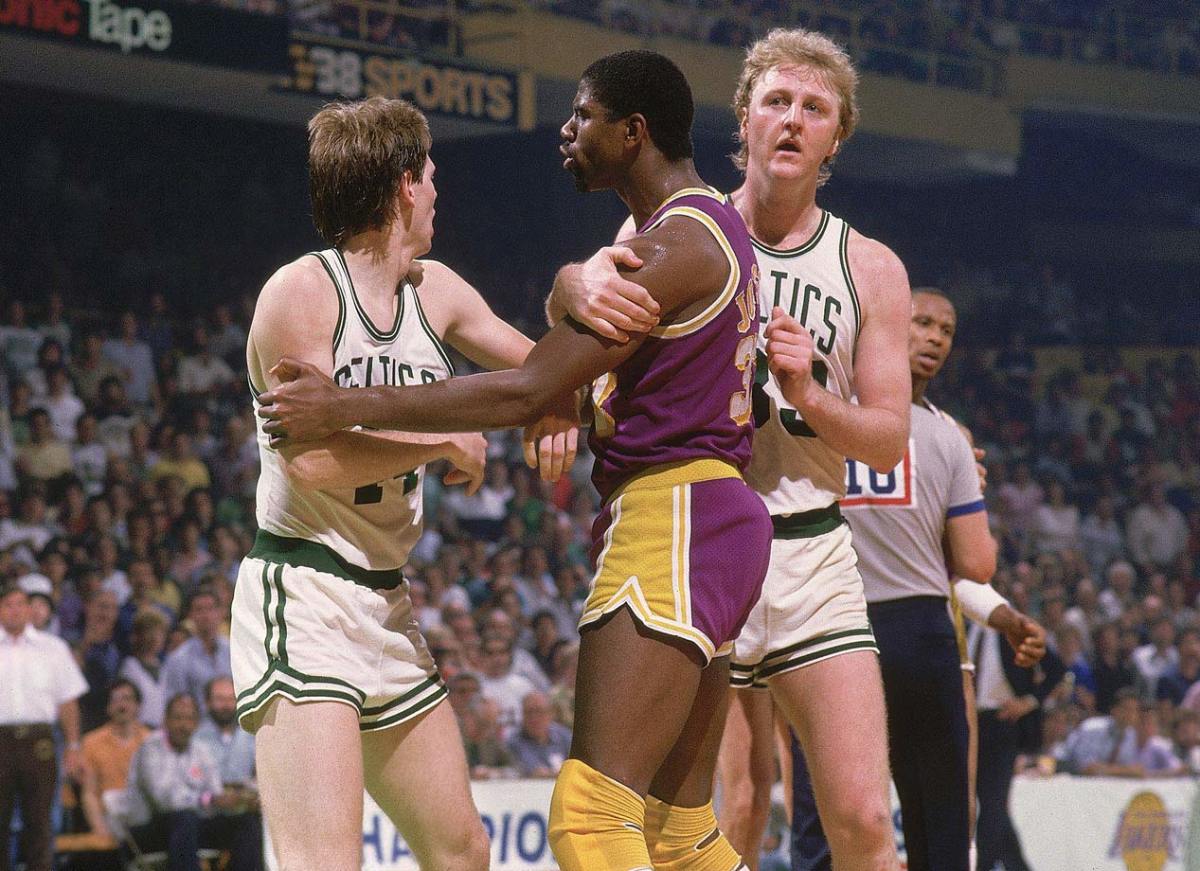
1145 838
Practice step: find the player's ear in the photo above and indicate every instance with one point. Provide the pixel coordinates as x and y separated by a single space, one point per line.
635 127
404 190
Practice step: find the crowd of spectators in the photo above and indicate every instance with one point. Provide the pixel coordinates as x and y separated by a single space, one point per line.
950 42
128 464
929 40
1094 495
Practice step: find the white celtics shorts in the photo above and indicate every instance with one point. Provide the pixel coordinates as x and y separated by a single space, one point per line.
310 627
812 605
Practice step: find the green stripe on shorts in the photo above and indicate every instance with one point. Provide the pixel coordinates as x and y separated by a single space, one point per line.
279 615
408 713
267 610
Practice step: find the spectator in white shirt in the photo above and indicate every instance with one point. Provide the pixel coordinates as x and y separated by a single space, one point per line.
483 514
54 325
203 372
1019 500
1101 536
1155 752
39 685
143 666
1152 659
50 356
60 401
1118 597
132 356
1056 523
176 801
89 368
497 622
1086 614
501 684
1156 532
89 456
19 342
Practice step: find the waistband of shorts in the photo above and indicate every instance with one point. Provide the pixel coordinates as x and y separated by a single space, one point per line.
302 552
910 605
682 472
808 524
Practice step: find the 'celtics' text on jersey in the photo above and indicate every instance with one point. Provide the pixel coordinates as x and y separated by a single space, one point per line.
376 525
791 468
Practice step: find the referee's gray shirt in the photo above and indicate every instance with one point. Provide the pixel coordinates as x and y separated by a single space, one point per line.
898 519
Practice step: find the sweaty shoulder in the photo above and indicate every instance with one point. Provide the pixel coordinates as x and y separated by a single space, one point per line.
879 276
684 266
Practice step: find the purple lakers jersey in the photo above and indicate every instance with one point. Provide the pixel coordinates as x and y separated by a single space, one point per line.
685 393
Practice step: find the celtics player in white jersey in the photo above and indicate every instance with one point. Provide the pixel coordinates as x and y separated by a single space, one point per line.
332 674
839 306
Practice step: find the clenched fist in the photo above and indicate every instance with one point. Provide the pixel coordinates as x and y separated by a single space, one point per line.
790 356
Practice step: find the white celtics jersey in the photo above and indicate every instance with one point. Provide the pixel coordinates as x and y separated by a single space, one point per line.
375 526
791 468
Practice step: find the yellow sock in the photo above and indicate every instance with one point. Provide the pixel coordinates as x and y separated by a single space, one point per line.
688 838
596 822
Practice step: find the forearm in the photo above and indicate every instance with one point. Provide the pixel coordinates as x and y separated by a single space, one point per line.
1004 619
875 436
565 359
93 809
979 601
348 459
68 718
493 400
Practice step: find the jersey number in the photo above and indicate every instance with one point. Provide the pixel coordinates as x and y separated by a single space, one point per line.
879 485
742 402
372 494
789 417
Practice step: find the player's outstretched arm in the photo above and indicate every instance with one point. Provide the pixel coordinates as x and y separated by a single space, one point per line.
341 459
459 313
684 267
875 430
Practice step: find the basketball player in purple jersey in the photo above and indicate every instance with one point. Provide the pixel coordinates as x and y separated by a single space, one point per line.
807 646
682 544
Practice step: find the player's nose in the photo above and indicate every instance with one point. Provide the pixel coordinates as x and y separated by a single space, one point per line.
793 117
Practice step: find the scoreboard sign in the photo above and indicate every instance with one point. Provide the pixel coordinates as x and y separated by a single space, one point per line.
437 88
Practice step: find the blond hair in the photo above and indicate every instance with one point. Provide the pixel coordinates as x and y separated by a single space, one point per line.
357 154
784 47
